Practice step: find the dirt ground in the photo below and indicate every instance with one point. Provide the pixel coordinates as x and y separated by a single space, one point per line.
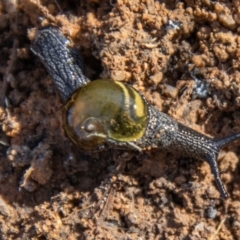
184 56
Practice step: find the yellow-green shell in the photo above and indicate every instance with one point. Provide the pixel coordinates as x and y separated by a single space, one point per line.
105 110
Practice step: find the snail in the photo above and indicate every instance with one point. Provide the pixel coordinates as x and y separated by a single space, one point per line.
105 113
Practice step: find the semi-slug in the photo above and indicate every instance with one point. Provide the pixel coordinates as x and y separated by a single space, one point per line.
104 113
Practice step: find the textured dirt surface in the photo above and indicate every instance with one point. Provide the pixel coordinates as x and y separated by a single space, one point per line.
184 56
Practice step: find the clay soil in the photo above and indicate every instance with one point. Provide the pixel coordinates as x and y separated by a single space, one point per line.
184 56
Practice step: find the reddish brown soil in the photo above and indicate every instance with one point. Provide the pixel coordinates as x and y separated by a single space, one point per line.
184 56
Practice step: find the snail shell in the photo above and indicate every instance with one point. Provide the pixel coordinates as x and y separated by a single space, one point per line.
103 111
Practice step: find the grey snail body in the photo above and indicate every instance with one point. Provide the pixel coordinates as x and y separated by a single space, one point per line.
103 113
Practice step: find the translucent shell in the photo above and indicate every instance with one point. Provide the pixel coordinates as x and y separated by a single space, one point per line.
105 111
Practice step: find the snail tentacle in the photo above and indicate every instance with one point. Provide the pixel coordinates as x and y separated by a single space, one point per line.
184 141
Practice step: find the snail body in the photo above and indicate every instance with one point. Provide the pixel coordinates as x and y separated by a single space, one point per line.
104 113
